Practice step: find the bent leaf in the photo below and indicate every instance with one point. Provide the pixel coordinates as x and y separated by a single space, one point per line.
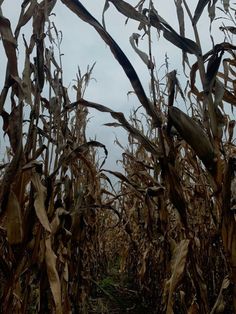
128 10
25 16
39 199
122 120
9 44
53 277
133 41
178 263
186 44
129 70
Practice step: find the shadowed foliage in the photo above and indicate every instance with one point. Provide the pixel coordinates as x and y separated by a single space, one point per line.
163 240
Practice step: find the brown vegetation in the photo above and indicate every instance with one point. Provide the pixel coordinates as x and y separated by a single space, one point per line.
165 241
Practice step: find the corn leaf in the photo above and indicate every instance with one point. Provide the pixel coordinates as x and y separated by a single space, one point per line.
199 10
143 56
14 220
82 13
39 199
220 302
128 10
9 44
122 120
186 44
178 264
53 277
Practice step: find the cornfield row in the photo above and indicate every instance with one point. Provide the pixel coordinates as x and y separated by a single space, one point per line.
170 227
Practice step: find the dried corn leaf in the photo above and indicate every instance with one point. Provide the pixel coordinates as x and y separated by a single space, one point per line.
211 10
25 16
38 20
230 29
122 120
180 15
176 194
172 82
199 282
56 221
212 69
229 98
186 44
80 10
220 302
9 44
80 152
143 261
114 124
48 7
228 230
9 176
219 48
13 126
14 220
40 63
105 8
39 199
231 129
194 136
26 81
219 93
199 10
41 13
178 264
53 277
128 10
134 43
122 177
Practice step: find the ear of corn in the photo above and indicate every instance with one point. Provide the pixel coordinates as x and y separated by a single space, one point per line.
195 136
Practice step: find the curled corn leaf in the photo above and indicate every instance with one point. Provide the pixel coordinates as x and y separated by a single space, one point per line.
40 194
177 269
53 276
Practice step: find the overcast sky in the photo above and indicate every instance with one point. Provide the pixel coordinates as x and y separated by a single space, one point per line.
82 46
